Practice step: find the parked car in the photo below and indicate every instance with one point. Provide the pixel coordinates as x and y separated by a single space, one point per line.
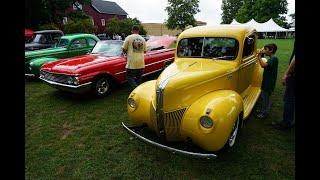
68 46
205 95
43 39
99 70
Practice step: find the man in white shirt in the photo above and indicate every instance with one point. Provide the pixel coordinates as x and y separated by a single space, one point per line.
135 47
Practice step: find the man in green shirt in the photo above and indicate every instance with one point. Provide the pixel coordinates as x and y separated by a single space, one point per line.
269 77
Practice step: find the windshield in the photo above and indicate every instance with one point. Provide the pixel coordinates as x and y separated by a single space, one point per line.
62 43
39 38
208 47
108 48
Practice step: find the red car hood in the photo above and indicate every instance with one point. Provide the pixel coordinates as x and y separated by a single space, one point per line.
74 64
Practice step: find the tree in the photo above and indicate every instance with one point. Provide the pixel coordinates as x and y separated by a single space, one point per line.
112 26
229 10
181 13
39 12
293 17
117 26
260 10
80 26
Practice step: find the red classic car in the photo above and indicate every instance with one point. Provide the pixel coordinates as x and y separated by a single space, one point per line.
102 68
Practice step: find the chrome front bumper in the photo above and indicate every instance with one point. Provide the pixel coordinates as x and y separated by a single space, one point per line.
70 88
167 148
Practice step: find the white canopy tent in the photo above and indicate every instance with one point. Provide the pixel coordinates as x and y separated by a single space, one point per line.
269 26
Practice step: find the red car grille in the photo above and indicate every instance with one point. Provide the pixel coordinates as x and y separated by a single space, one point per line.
59 78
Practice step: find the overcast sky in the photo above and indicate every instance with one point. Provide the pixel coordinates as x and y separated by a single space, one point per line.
153 11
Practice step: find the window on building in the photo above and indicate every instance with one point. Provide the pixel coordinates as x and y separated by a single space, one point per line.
103 22
77 6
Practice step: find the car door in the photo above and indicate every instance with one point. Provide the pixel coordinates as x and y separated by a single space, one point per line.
155 60
247 63
78 47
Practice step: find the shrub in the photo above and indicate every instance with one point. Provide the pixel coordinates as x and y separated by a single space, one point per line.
80 26
48 26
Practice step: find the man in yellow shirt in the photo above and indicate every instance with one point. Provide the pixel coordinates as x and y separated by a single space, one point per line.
134 46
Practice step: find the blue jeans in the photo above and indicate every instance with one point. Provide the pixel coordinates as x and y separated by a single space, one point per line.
265 102
134 77
289 103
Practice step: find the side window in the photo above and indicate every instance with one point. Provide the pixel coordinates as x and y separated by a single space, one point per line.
46 39
55 37
248 46
91 42
79 43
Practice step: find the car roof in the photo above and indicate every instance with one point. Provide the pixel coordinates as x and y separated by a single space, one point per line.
48 31
78 35
226 30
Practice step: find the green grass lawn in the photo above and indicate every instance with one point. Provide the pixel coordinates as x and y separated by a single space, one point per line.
80 137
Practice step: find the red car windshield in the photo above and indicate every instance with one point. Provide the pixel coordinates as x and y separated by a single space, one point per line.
108 48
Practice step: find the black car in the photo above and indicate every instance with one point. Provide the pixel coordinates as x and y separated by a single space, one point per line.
43 39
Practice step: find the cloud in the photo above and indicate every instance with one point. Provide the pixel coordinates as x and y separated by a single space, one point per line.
154 10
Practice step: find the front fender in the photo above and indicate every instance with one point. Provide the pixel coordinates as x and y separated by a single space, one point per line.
144 112
36 64
223 107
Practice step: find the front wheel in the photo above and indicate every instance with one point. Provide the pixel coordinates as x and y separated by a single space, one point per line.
232 138
102 86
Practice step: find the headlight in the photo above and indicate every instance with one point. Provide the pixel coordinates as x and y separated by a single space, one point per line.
132 103
206 121
72 80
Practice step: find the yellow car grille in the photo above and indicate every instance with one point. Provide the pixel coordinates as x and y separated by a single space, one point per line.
172 122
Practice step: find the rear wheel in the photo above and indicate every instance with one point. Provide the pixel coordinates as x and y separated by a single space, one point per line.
102 86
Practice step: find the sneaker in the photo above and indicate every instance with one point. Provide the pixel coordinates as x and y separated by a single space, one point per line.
261 116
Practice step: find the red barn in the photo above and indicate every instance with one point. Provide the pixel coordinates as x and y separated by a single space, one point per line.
100 11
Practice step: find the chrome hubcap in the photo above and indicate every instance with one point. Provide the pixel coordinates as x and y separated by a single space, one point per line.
234 132
102 86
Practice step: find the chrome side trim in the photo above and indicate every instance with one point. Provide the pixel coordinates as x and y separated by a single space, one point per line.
160 61
65 85
120 72
165 60
152 72
167 148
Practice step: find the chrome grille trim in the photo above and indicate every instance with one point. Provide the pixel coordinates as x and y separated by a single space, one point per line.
172 122
54 77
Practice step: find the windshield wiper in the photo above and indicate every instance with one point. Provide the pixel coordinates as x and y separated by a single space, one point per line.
223 57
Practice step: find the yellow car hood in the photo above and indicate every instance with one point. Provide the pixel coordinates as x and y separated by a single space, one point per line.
188 79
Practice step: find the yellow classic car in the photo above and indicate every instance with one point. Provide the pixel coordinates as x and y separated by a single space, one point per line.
205 95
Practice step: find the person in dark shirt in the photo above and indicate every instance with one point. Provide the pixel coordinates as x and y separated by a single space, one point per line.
269 77
288 80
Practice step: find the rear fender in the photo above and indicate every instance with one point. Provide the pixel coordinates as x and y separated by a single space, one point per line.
223 107
36 63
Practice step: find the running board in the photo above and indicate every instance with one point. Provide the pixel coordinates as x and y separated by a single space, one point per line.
250 97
